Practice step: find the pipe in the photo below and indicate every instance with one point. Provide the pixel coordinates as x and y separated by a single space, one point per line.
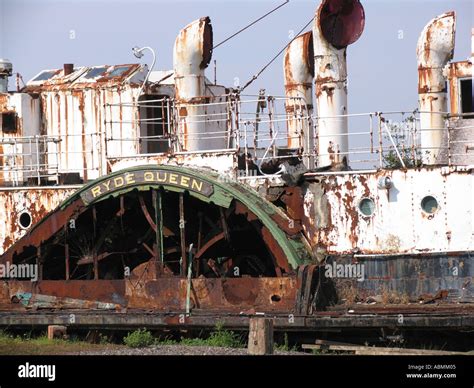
138 52
6 70
192 54
68 68
298 68
337 24
434 50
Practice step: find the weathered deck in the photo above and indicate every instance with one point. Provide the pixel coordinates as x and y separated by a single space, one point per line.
444 318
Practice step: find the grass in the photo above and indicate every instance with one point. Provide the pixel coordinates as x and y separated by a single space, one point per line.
218 337
41 345
285 346
28 344
139 339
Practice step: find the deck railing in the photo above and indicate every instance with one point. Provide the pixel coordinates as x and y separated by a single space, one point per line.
260 127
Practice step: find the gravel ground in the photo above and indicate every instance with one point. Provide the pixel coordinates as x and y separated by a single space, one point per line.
176 350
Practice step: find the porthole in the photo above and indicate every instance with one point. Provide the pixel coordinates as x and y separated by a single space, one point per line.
24 220
429 204
367 206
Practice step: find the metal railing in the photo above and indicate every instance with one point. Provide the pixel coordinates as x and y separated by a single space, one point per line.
262 128
42 159
258 125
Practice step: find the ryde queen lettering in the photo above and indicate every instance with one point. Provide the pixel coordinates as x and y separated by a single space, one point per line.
134 178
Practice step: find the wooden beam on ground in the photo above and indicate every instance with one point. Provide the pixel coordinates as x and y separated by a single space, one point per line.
372 350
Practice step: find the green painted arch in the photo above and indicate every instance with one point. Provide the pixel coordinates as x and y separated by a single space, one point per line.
223 192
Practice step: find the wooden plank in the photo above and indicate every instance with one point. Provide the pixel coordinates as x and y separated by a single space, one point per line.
260 336
329 343
366 350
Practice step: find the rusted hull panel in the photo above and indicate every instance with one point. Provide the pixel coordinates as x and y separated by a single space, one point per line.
398 283
62 294
111 291
37 203
248 295
233 294
396 222
401 280
41 301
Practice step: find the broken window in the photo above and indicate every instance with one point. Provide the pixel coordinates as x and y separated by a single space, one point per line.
154 124
465 86
9 120
45 75
95 72
118 71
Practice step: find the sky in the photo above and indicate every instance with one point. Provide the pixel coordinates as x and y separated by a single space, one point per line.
43 34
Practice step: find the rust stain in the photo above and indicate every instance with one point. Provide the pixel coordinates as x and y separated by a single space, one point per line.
353 215
207 42
83 137
120 113
66 124
38 202
292 197
7 243
231 294
4 99
1 165
456 71
278 254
